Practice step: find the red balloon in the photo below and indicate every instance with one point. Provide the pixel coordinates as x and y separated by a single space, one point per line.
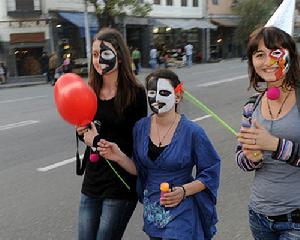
75 101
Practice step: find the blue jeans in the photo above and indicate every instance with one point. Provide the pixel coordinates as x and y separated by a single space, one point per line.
266 229
103 219
189 60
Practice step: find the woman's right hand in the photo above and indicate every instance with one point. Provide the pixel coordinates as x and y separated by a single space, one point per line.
110 150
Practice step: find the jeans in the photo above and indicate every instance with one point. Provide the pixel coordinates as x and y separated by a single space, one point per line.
266 229
189 60
103 219
156 238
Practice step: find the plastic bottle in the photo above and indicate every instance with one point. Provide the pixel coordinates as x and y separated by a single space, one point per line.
164 188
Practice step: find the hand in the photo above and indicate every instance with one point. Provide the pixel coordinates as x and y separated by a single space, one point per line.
254 156
90 134
172 199
109 150
81 130
257 138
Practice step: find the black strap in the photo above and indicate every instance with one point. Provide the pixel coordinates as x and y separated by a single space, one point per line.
80 164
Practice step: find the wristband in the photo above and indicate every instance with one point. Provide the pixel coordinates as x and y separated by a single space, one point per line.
184 192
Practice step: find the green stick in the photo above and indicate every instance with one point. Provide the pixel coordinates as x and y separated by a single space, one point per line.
203 107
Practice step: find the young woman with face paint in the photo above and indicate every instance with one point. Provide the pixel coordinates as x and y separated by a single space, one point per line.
106 204
166 148
269 138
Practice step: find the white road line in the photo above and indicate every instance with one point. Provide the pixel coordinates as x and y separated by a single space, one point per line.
18 124
201 118
222 81
22 99
56 165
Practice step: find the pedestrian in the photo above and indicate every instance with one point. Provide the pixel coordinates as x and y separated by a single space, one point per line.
269 137
153 58
166 148
189 54
3 73
53 64
136 58
45 65
106 204
67 64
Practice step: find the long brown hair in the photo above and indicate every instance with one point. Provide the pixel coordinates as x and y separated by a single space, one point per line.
273 38
127 83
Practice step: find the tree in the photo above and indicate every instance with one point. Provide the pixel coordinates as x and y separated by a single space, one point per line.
106 10
253 14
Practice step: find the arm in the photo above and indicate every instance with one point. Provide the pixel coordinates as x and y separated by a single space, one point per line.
112 152
242 160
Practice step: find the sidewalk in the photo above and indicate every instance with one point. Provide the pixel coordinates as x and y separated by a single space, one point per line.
21 84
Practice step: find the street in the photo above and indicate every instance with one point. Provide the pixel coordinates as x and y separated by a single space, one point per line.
40 190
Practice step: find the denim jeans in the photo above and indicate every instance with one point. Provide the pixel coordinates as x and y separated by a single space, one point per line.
266 229
189 60
103 219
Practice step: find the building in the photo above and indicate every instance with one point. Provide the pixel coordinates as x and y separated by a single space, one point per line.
219 12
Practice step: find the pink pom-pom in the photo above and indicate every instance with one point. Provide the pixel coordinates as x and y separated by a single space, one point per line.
94 157
273 93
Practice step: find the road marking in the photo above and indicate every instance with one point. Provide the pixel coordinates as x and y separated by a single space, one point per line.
201 118
22 99
18 124
222 81
56 165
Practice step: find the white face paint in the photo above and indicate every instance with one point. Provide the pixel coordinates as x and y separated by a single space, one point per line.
161 95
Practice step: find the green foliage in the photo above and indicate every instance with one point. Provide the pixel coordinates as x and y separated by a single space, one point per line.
106 10
254 14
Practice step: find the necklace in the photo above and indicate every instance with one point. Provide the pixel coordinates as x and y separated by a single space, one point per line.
280 109
167 132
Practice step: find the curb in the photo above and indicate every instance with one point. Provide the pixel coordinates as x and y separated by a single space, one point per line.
24 84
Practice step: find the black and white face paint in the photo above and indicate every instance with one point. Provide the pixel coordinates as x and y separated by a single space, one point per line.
161 95
107 59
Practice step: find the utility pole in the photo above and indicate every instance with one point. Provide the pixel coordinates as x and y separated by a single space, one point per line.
87 34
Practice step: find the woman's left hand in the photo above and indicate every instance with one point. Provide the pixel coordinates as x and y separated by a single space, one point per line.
90 134
172 199
257 138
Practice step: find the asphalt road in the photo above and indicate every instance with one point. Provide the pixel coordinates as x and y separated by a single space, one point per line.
40 191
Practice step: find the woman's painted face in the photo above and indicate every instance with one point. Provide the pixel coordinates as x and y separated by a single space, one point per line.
104 57
271 65
161 95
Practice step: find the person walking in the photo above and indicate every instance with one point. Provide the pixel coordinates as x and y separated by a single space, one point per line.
45 65
189 54
153 58
136 58
3 73
269 137
53 64
106 203
166 148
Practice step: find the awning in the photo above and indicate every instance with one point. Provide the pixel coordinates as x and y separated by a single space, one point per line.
182 23
77 18
228 22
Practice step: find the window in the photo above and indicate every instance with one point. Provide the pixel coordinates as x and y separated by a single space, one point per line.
169 2
157 2
195 3
24 5
215 2
183 3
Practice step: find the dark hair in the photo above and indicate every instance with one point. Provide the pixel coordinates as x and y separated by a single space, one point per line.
164 73
127 83
273 38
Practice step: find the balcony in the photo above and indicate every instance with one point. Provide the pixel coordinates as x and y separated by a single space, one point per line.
24 8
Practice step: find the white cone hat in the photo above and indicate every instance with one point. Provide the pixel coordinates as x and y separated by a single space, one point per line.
283 17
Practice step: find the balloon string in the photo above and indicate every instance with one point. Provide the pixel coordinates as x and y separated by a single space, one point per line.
117 174
203 107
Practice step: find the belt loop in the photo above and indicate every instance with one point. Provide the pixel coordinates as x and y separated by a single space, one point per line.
269 219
